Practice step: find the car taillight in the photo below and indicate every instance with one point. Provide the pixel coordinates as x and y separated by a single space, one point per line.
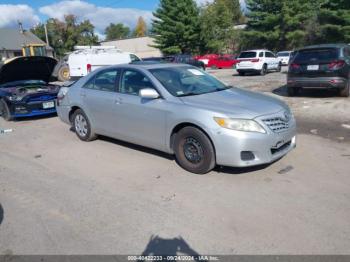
256 60
294 66
336 64
62 93
88 68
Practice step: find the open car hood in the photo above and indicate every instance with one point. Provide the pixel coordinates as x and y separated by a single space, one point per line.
27 68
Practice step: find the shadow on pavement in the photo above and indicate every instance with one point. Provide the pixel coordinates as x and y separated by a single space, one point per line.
313 93
158 246
1 214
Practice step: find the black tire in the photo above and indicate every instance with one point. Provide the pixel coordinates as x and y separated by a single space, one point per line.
263 70
194 151
345 92
84 135
293 91
63 73
279 68
5 111
241 73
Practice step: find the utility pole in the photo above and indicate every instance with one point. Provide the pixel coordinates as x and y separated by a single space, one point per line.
46 36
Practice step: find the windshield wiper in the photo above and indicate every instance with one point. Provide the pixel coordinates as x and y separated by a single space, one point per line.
189 94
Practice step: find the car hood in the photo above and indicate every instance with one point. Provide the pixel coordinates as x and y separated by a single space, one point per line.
237 102
27 68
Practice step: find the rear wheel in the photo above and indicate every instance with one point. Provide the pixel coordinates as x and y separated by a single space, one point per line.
63 73
345 92
293 91
279 68
82 126
263 70
194 151
5 111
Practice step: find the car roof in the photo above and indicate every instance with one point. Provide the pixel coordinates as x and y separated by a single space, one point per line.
324 46
150 65
256 50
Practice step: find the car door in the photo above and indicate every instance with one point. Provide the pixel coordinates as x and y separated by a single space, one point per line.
140 121
272 60
99 96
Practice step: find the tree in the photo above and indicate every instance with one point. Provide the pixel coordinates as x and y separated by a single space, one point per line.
217 26
176 26
63 36
116 31
141 28
285 24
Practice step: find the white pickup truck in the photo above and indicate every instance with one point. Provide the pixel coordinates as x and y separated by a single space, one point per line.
86 59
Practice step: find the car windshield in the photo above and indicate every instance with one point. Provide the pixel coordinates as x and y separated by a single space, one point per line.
24 83
311 55
247 55
283 54
187 81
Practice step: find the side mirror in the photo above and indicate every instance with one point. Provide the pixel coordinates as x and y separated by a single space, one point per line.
148 93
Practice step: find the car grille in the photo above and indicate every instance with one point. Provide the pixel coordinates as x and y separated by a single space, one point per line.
41 98
277 124
281 148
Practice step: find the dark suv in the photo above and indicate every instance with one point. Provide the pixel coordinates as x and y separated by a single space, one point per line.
320 66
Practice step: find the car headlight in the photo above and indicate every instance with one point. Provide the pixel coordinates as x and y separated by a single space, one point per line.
240 124
15 98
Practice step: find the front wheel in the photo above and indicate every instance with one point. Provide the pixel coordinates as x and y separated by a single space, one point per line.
194 151
82 126
293 91
345 92
5 111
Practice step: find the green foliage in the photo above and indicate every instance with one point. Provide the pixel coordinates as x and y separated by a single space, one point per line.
141 28
63 36
217 26
176 26
116 31
286 24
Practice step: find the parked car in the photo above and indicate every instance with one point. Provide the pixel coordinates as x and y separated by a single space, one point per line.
223 61
205 58
86 59
180 110
257 61
284 57
185 59
25 89
320 66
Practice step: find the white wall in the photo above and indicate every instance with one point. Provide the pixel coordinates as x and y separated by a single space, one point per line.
139 46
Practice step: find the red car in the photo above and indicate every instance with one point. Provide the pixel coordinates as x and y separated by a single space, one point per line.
218 61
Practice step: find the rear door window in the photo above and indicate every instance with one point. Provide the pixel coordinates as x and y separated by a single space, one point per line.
316 55
247 55
104 81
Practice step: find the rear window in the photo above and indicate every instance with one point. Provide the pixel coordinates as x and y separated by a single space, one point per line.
247 55
311 55
283 54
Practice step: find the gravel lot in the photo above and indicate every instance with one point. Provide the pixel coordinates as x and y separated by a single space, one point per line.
59 195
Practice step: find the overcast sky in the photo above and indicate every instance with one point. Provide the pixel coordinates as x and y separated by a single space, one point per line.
100 13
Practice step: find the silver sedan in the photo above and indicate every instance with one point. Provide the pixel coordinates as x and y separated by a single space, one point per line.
180 110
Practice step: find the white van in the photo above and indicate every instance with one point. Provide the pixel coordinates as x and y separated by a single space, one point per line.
87 59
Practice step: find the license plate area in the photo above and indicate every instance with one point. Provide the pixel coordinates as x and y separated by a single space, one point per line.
48 105
313 67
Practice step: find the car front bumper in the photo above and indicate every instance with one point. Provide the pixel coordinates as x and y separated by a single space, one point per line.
317 82
232 147
29 109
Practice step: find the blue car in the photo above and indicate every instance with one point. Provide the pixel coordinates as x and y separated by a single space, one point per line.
24 87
